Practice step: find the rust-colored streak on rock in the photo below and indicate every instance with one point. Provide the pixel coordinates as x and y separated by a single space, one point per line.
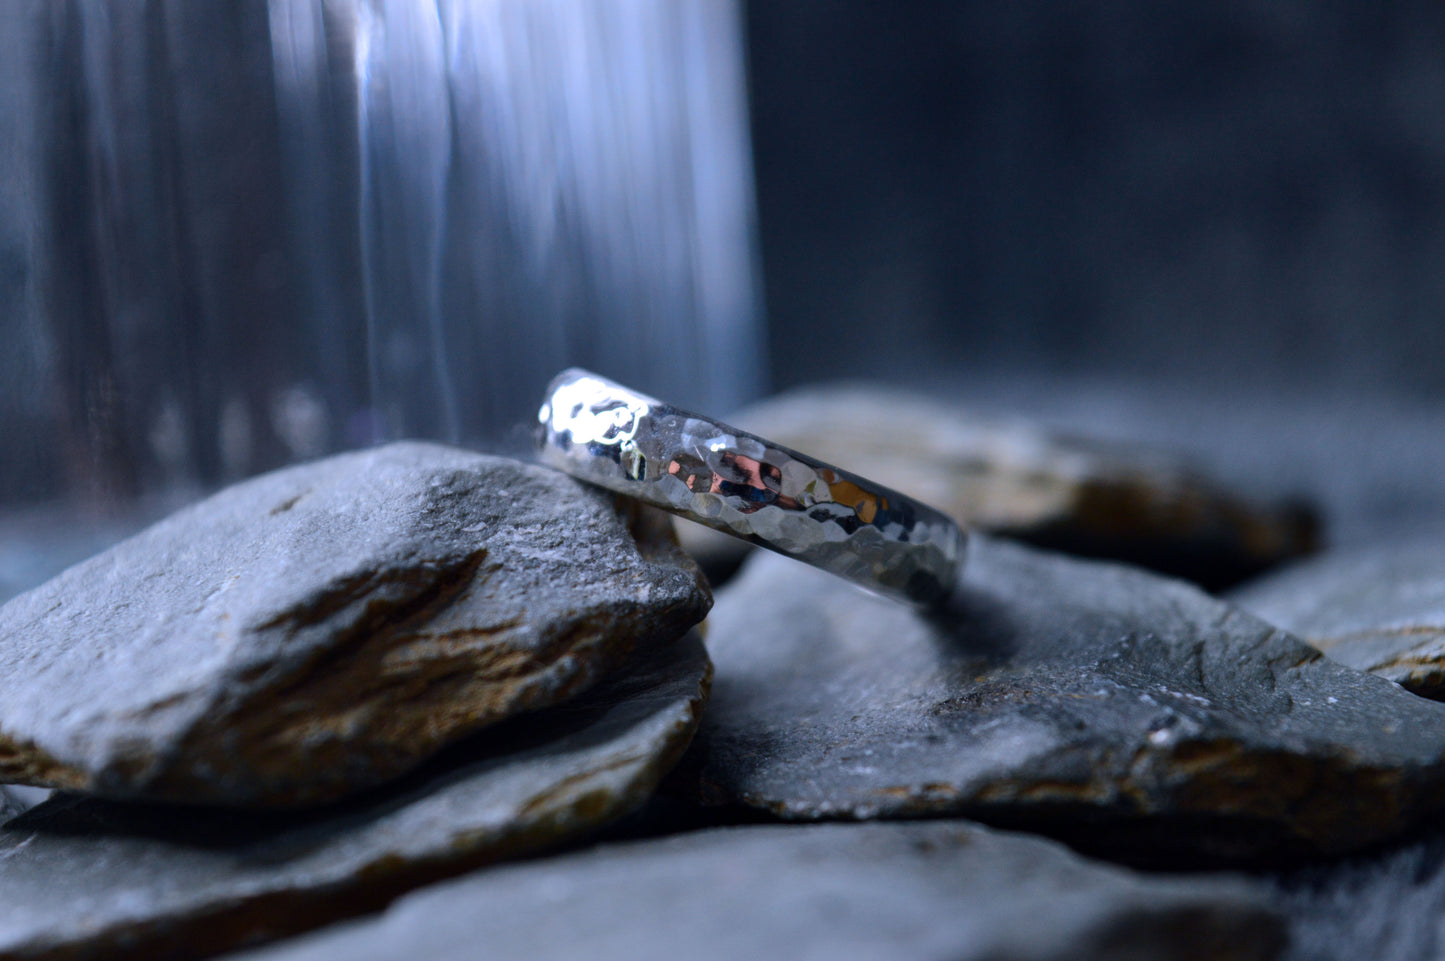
21 762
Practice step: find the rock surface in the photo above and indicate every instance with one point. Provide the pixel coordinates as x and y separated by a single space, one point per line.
1132 714
11 804
86 878
1012 477
1386 905
899 891
1379 609
321 629
16 799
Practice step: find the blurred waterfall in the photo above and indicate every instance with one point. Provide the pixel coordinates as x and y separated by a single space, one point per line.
242 232
535 183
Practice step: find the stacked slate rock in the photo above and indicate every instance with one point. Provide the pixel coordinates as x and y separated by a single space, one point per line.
319 688
317 695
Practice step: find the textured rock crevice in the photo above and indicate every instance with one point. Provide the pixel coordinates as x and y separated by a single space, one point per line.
1377 608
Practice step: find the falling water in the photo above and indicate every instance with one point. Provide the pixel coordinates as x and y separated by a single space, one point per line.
536 184
240 233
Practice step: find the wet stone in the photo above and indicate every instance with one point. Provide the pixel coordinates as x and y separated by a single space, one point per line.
1379 609
1013 477
898 891
324 628
1131 714
87 878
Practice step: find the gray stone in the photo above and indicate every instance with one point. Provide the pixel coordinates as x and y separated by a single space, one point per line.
1013 477
1379 609
1385 905
11 803
323 628
1133 714
898 891
87 878
16 799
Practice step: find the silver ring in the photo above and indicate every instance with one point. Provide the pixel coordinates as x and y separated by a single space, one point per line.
751 488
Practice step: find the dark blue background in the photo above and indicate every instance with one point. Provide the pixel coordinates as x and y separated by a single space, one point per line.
1249 192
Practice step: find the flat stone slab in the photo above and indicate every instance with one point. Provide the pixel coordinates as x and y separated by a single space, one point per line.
899 891
1011 476
1132 714
86 878
1379 609
321 629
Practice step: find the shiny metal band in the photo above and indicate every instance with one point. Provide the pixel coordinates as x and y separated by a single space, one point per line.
734 482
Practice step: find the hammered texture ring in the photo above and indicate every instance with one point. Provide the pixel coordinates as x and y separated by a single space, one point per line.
765 493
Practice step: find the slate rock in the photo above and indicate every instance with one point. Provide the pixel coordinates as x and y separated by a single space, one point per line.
11 804
88 878
898 891
16 799
1132 714
1385 905
326 627
1379 609
1013 477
